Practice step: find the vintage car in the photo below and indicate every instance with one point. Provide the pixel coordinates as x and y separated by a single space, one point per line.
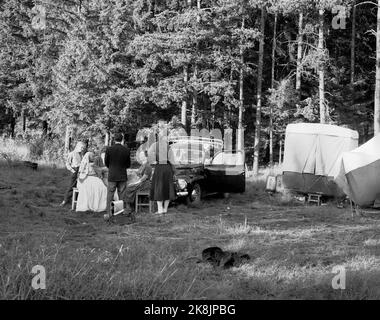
203 168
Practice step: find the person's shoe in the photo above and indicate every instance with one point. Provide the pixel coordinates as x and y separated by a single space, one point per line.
128 210
107 216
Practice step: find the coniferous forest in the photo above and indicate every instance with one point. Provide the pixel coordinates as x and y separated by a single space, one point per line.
174 218
107 65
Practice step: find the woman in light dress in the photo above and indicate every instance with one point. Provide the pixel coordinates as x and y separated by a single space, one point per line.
92 190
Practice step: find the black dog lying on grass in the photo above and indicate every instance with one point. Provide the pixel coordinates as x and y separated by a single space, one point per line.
223 259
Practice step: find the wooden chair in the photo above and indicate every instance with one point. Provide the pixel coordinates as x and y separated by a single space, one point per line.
75 198
140 195
314 197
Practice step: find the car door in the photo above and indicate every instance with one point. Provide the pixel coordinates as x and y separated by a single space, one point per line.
226 173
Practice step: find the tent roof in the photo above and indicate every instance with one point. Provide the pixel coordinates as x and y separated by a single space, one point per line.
364 155
322 129
359 172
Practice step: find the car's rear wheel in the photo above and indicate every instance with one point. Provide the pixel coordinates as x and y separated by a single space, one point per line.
195 197
224 195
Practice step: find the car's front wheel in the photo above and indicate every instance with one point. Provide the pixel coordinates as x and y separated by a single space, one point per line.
195 197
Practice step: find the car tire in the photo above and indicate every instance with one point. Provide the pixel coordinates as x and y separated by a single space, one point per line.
225 195
196 194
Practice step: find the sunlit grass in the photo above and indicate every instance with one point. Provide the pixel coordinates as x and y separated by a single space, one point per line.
11 150
293 247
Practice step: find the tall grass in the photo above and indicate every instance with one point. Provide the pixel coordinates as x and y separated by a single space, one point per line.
135 272
292 248
12 150
45 151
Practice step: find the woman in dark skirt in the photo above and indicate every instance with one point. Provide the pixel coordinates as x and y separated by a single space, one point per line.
162 188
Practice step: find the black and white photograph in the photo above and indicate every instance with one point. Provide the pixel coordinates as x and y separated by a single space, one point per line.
203 151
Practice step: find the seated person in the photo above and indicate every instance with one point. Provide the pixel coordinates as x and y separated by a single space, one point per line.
92 194
100 167
143 183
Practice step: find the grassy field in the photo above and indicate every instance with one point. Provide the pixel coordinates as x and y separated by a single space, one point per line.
293 247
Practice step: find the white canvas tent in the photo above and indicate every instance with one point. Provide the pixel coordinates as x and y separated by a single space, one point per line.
359 173
312 154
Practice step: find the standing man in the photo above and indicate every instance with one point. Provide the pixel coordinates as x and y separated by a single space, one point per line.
117 160
73 161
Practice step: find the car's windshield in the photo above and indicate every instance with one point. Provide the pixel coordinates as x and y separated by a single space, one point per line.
188 153
229 159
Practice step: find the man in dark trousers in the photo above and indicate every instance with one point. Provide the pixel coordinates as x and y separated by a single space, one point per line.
117 160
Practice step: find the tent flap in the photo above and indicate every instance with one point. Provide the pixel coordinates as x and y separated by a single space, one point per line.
315 149
359 176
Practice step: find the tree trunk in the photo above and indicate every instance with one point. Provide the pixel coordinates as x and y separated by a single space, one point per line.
377 89
353 36
184 101
321 72
241 96
256 151
240 137
272 86
195 95
212 116
194 98
44 127
299 53
186 79
241 93
13 125
23 117
107 139
280 153
67 140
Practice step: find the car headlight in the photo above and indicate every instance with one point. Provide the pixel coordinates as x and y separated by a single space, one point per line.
182 183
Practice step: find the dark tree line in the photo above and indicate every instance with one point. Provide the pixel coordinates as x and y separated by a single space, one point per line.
123 64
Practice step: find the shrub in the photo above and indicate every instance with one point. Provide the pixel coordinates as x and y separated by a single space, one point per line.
14 150
48 150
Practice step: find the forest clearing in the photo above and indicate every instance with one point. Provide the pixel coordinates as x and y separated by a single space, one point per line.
212 101
293 247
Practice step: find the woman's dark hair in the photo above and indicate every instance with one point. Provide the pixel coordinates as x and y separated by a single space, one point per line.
118 137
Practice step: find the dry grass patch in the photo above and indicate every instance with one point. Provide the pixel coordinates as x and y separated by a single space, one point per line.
293 247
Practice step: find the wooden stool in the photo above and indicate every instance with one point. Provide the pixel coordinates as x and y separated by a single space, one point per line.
314 197
75 198
143 204
355 209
